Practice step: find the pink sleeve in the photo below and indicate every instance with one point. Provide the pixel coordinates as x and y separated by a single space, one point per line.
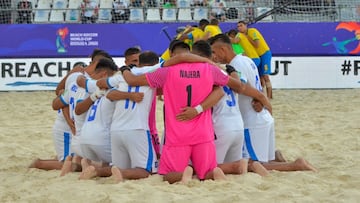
220 77
157 78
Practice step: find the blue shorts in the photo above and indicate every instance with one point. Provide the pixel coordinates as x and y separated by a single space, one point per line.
265 65
257 61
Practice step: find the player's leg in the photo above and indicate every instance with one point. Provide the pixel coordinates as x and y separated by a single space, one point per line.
173 162
203 158
141 152
229 152
299 164
46 164
266 68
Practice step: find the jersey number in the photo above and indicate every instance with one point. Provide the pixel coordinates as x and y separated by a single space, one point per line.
189 94
127 101
93 110
230 94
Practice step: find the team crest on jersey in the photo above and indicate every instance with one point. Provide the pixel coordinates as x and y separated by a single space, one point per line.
74 88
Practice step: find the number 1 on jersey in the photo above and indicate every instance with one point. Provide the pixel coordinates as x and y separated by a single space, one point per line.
189 94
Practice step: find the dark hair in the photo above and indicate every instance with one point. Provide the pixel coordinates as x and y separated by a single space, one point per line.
203 22
95 52
131 51
245 22
178 44
220 37
214 21
202 48
148 58
232 32
106 63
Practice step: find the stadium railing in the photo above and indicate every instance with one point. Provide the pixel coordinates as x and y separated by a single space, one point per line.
264 11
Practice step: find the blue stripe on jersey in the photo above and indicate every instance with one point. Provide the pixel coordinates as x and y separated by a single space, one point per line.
63 100
137 89
127 100
249 146
86 86
66 145
151 155
108 83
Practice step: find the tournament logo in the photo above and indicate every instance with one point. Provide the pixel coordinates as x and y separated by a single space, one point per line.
61 35
342 46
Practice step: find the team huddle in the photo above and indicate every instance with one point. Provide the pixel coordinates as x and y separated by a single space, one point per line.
217 120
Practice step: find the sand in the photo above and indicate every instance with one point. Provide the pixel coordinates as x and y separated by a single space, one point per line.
323 126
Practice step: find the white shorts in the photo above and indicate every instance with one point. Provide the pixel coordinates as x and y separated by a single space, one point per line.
62 141
76 146
98 153
260 143
133 149
229 146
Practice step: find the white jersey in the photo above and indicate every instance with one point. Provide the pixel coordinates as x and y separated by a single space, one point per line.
96 129
73 95
129 115
226 111
114 80
249 71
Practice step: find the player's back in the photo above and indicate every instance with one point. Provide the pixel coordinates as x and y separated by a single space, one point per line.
129 115
187 84
96 129
226 111
249 72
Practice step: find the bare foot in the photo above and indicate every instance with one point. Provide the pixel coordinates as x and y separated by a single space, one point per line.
116 173
218 174
303 165
243 167
34 163
67 166
187 174
88 173
258 168
279 157
84 163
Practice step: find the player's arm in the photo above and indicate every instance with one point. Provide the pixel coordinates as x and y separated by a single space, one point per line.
253 40
68 120
115 95
59 102
84 105
61 84
133 80
246 89
189 113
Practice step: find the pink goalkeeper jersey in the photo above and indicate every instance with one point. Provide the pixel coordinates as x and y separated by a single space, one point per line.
187 84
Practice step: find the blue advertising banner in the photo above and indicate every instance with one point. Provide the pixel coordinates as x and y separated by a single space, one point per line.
78 40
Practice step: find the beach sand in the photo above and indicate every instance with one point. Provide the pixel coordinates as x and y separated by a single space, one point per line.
322 126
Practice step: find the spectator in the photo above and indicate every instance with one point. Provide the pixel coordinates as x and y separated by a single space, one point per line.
137 3
89 11
120 11
24 11
199 3
218 9
250 10
152 3
169 4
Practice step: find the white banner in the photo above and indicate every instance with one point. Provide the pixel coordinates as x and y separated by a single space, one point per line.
38 73
287 72
315 72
